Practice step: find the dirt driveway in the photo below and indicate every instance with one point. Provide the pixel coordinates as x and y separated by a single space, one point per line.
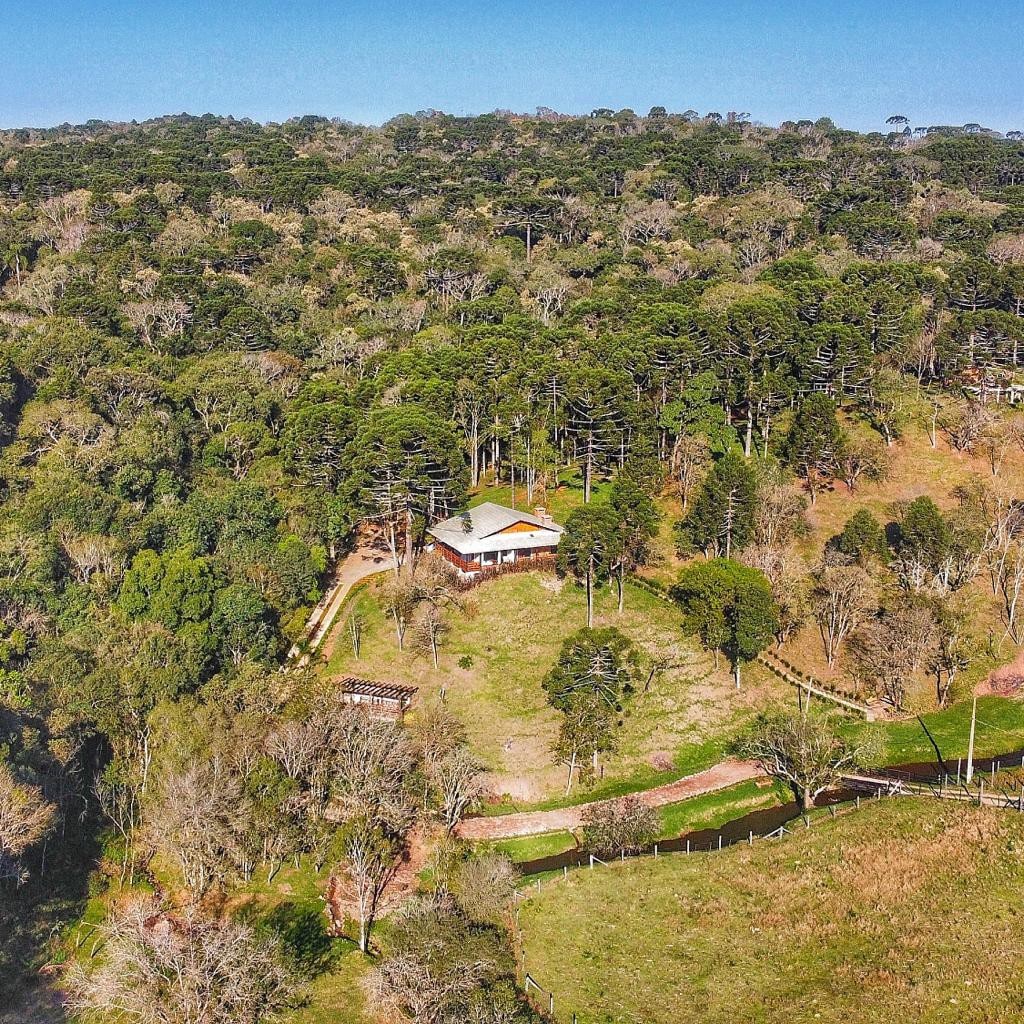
530 823
366 560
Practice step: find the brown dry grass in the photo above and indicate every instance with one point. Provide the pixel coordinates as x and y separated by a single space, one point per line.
916 470
906 910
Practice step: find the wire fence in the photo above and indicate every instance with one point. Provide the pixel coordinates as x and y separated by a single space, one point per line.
542 998
889 783
981 786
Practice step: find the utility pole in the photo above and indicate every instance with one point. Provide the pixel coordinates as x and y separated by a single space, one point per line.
970 742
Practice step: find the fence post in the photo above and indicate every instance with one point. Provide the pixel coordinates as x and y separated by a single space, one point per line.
591 862
750 838
655 851
719 840
551 1003
858 801
687 845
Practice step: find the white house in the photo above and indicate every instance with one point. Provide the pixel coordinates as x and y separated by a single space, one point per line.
490 535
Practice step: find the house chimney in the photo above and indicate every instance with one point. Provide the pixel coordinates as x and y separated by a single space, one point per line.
542 514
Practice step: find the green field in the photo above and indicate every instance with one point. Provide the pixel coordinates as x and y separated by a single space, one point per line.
511 635
1000 730
905 910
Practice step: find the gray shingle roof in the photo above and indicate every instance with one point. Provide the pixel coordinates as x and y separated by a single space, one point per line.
466 531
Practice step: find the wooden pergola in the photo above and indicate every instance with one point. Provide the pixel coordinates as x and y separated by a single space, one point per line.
389 699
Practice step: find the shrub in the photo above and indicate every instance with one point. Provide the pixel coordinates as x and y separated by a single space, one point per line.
624 825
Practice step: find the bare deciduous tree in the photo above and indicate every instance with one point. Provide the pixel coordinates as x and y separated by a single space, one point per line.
787 574
863 459
691 456
429 632
370 858
26 818
457 782
892 647
355 625
191 821
399 598
966 426
779 514
842 595
158 969
954 649
801 751
373 765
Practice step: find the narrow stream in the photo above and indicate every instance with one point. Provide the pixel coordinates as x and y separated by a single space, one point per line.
770 819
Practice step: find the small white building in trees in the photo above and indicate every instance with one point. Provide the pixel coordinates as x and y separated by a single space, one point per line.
488 536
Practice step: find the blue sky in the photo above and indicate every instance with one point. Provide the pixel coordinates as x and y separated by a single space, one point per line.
934 60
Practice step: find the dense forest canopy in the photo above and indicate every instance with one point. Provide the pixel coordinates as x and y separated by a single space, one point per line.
223 345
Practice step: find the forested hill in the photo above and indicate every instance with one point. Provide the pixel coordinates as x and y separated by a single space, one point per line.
223 344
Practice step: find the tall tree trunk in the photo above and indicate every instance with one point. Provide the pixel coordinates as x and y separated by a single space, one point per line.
393 545
408 538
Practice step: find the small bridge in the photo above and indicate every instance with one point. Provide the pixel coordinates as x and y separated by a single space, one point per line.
889 782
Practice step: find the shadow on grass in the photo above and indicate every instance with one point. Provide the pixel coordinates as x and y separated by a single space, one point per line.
301 928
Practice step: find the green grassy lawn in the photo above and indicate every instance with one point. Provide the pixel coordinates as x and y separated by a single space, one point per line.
1000 730
905 910
525 848
337 997
715 809
509 638
291 905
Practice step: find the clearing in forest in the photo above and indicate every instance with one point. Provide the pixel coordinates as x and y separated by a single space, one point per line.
508 637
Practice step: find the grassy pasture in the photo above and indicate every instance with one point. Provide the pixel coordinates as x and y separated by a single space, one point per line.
507 641
905 910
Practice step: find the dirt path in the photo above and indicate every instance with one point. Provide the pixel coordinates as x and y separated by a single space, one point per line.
366 560
530 823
